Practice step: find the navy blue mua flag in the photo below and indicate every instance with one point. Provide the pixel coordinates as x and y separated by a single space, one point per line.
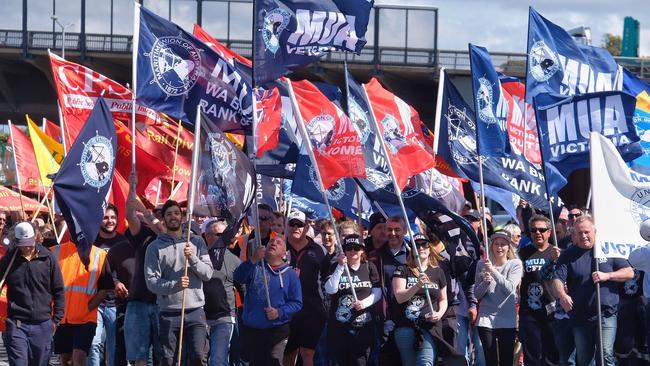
176 72
293 33
227 179
84 180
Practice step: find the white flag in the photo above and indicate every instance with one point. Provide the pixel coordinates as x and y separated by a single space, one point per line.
621 201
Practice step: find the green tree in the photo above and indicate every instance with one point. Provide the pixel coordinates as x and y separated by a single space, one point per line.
612 43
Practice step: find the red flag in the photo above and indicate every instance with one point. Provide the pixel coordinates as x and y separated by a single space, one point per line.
269 120
336 144
218 47
26 165
394 117
514 92
53 130
78 87
118 196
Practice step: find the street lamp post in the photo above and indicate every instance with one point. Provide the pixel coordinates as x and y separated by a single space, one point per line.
55 18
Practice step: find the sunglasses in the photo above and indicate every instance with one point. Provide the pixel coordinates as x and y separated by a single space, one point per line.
573 216
356 248
422 244
296 224
540 230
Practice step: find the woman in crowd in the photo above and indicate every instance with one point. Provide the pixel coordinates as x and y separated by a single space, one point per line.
495 288
414 319
350 323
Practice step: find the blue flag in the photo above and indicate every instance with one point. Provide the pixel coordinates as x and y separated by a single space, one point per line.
290 34
639 88
513 173
176 72
490 104
565 124
227 179
84 180
506 199
558 64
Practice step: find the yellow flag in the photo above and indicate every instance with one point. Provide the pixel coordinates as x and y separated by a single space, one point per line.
49 152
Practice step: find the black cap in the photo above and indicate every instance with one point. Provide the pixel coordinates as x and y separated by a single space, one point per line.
420 237
472 215
376 219
352 240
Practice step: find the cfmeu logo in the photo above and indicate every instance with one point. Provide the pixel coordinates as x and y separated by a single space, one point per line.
175 63
97 161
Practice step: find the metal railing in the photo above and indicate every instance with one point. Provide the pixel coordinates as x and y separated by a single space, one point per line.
508 63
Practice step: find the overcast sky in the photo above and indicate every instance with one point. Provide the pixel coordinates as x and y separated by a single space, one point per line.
499 25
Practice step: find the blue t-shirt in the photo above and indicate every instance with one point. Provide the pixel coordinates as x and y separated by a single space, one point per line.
574 268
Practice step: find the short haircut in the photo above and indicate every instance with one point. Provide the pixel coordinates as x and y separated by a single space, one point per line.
349 225
398 219
278 215
537 218
584 218
264 206
169 204
325 224
512 229
111 206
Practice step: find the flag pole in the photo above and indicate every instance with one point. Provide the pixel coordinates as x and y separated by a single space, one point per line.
40 205
134 79
594 252
398 192
310 151
190 211
178 138
436 123
51 215
20 190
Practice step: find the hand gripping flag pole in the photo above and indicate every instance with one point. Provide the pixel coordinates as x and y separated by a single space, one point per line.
398 192
190 210
306 140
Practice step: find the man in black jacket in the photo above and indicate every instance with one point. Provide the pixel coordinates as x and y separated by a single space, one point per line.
35 287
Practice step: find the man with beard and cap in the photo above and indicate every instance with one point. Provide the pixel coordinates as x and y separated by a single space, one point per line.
311 264
107 239
36 293
165 262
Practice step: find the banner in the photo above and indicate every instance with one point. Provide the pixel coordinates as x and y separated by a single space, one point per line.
557 64
223 51
639 88
269 119
176 73
524 115
616 189
48 154
491 105
83 182
566 123
291 33
26 166
336 146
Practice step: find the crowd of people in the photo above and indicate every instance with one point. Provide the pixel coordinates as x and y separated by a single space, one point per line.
314 294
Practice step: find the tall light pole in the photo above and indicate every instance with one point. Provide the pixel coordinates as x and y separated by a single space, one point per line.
55 18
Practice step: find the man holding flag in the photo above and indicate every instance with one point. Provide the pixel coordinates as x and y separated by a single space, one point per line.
575 271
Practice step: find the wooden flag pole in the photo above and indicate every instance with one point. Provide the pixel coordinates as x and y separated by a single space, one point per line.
20 190
41 204
178 139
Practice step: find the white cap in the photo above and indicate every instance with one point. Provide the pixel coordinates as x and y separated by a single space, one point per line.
298 215
24 234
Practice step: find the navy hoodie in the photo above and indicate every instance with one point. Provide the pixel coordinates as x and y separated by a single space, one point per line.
284 290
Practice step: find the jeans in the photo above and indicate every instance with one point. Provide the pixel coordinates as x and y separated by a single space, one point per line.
564 342
406 343
142 326
28 344
464 341
105 332
498 344
585 335
195 337
537 339
220 336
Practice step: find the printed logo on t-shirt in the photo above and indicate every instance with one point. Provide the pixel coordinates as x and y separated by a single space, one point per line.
344 312
414 308
534 264
535 292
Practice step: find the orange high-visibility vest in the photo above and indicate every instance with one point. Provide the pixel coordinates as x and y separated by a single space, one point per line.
80 284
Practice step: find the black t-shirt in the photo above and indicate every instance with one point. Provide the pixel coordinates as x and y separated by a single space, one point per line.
312 267
412 312
574 268
121 258
138 290
364 279
534 296
108 245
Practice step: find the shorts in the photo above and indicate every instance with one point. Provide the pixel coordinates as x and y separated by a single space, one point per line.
306 330
74 336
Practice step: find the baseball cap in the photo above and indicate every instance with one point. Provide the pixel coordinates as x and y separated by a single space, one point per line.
472 215
297 215
24 234
376 219
352 240
501 234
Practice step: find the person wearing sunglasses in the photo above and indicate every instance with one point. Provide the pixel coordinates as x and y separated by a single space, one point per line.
414 319
537 306
265 214
311 264
350 325
496 283
574 213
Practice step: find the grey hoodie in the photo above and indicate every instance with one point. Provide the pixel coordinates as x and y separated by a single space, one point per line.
164 263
